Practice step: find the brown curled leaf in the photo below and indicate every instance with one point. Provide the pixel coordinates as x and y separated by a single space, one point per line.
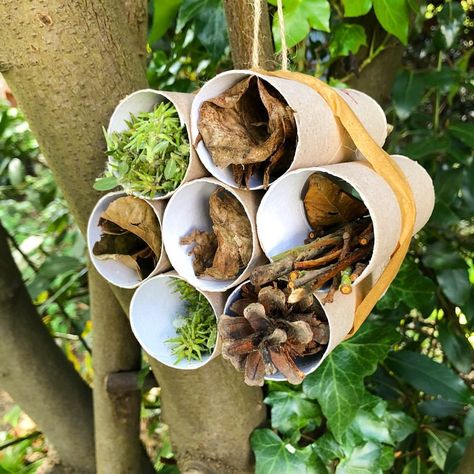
327 204
204 246
248 124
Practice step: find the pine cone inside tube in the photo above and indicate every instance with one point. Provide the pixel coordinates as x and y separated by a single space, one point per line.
268 333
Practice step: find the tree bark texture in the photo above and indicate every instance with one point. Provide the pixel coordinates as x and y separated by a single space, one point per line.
116 416
69 64
35 372
240 15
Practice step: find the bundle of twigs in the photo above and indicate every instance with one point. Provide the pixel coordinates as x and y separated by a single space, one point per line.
339 257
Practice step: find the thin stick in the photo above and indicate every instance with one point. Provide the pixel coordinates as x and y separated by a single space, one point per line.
367 235
318 262
284 262
319 277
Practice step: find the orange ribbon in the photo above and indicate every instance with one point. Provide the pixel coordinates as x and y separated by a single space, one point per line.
384 166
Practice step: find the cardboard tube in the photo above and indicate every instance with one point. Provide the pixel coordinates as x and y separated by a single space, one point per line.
281 218
340 316
422 187
113 271
321 139
154 308
188 209
144 101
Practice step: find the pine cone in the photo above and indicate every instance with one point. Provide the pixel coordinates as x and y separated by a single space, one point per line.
268 333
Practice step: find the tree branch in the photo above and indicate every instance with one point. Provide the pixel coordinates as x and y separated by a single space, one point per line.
116 417
240 14
35 372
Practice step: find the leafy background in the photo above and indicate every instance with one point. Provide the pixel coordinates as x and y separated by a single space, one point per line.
398 396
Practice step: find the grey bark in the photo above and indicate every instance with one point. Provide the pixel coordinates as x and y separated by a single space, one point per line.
116 416
35 372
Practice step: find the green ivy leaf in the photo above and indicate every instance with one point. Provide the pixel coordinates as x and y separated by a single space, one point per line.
356 7
411 288
381 425
457 348
440 408
210 24
442 255
328 448
106 183
428 376
393 16
439 443
300 16
338 384
292 411
273 455
463 131
455 284
407 92
455 454
346 38
364 458
415 466
164 12
450 21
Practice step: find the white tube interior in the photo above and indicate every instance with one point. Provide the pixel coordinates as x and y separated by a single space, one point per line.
153 311
140 101
340 322
113 271
187 210
281 218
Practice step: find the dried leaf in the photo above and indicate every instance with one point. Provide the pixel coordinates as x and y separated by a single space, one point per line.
327 204
203 250
247 125
136 216
224 252
131 235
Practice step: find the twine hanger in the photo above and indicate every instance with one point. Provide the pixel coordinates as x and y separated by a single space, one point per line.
378 158
258 7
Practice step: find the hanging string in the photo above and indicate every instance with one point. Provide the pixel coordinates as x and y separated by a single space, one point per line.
284 49
258 8
257 15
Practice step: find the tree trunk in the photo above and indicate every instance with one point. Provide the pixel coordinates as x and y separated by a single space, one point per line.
240 15
116 416
35 372
69 64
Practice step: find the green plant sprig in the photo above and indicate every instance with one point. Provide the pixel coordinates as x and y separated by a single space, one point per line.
197 329
151 157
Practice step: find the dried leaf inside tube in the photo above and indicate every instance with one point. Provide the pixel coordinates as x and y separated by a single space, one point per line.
227 249
251 128
130 235
327 204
